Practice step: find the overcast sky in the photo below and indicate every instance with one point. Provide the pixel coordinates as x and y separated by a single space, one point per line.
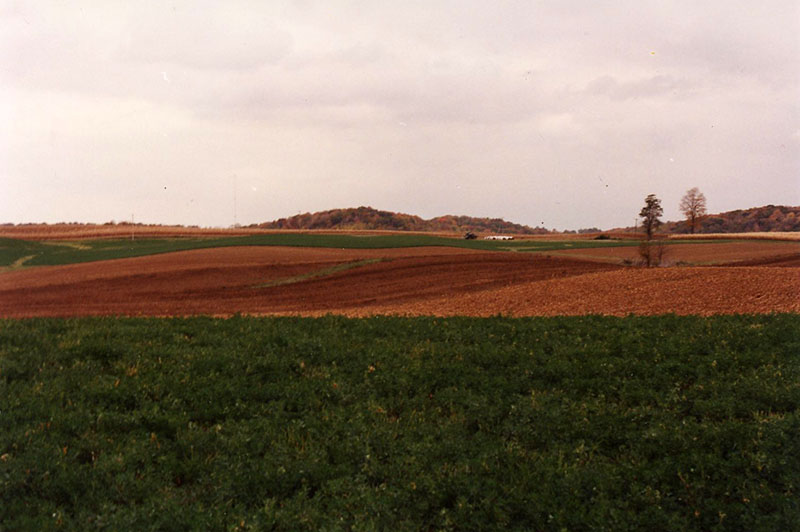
562 114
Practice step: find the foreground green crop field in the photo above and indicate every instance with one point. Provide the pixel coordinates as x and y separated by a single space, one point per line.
590 423
14 252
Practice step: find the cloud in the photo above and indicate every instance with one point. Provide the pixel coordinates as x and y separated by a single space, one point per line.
557 124
210 36
651 87
520 104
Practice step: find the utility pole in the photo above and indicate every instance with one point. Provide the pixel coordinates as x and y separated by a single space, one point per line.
133 227
235 221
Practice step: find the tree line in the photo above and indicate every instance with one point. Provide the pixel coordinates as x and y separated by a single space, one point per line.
768 218
693 207
367 218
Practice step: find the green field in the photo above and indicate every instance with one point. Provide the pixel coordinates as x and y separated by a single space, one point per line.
588 423
15 252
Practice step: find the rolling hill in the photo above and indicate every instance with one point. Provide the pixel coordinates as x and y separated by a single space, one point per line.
768 218
367 218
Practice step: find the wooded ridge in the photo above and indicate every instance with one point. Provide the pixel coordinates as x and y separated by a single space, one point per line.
757 219
367 218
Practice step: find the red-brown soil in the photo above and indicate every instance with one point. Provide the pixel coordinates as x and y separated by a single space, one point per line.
793 236
411 281
225 280
265 263
696 290
752 251
778 261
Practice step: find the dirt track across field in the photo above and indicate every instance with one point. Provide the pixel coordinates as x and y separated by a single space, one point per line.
410 281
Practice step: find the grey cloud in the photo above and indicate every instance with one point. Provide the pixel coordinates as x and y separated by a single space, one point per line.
520 104
730 59
208 39
651 87
410 92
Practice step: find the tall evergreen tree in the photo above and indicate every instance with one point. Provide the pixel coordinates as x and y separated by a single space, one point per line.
650 214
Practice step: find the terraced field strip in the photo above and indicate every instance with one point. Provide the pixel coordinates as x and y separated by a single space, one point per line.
773 235
694 252
544 246
324 272
223 280
620 292
47 254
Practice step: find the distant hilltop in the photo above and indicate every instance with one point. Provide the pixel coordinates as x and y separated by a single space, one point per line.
769 218
367 218
766 219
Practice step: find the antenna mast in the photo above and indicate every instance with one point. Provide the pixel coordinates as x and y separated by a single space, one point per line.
235 221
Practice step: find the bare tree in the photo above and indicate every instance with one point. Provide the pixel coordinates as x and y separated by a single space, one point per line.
693 206
652 252
650 214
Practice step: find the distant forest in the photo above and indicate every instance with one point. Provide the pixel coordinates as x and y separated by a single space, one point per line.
367 218
768 218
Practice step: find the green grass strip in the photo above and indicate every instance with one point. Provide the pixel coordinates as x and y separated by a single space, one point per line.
58 253
44 254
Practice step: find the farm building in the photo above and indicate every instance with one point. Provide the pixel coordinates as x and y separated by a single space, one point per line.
498 237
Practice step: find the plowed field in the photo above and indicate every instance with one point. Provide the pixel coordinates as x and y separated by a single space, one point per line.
751 252
268 280
429 281
698 290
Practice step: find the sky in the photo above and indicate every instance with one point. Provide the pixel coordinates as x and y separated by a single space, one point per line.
560 114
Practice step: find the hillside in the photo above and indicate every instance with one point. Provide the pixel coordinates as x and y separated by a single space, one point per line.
367 218
768 218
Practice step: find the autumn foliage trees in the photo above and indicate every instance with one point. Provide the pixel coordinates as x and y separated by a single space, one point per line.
693 207
367 218
768 218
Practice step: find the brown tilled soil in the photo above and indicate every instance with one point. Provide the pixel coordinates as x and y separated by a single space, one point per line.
229 262
697 290
427 281
752 251
778 261
229 280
